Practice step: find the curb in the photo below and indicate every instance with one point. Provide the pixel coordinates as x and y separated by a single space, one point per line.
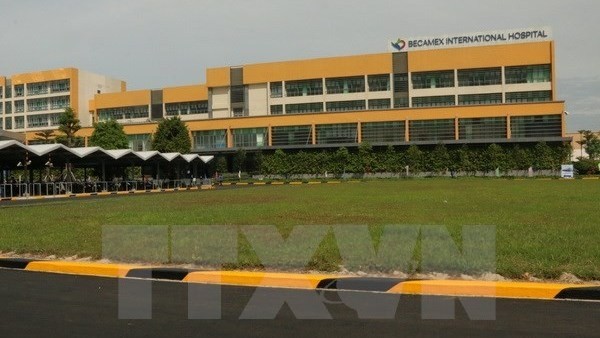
453 288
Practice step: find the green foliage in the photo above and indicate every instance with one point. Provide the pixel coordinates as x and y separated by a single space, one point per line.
592 144
543 158
340 161
221 164
366 158
109 135
69 125
414 159
45 136
172 135
439 159
585 166
494 158
239 160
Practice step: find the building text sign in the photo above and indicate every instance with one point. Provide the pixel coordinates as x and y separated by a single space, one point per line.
472 39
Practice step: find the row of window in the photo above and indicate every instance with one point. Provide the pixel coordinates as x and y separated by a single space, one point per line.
420 80
402 102
186 108
34 105
41 88
33 121
384 132
123 113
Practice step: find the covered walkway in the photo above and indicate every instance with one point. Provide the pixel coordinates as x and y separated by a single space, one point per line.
49 169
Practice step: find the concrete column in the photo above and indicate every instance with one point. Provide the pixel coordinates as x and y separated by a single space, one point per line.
456 133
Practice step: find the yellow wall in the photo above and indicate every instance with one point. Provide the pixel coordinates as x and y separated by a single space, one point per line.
47 75
2 83
478 57
318 68
185 93
218 77
124 99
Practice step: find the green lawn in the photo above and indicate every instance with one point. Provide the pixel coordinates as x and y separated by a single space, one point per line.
543 227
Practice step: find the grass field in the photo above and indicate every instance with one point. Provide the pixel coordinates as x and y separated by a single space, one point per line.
543 227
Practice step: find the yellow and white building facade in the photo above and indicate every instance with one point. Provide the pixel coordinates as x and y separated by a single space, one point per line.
494 87
33 102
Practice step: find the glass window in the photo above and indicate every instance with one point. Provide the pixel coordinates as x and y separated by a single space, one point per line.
401 102
401 83
34 121
239 112
304 87
140 142
276 89
431 130
536 126
345 105
276 109
379 104
291 135
60 102
533 96
527 74
302 108
249 137
471 99
210 139
19 122
482 128
19 90
237 94
123 113
1 92
379 83
342 133
37 104
382 132
186 108
60 86
433 101
8 123
479 77
37 88
344 85
438 79
19 106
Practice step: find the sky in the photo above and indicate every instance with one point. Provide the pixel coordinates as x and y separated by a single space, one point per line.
156 43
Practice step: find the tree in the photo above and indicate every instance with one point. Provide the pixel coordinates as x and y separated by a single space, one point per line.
109 135
461 160
414 159
521 158
69 125
239 160
494 158
366 157
341 160
592 144
439 159
171 136
543 159
45 136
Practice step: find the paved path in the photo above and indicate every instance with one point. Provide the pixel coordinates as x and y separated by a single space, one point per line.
42 304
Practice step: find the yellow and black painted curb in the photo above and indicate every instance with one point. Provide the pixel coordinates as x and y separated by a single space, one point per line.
288 182
456 288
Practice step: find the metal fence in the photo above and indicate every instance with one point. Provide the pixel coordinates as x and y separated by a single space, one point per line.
22 189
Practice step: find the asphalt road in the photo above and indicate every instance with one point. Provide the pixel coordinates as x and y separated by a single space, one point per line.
51 305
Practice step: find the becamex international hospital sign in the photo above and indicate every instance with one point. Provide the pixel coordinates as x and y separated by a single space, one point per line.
471 39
